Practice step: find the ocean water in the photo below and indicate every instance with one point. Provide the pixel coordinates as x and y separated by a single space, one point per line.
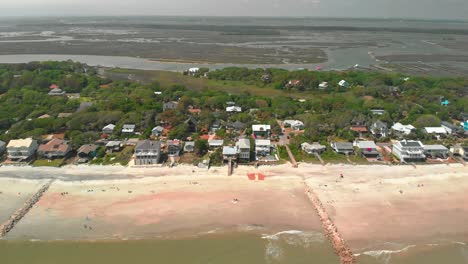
284 247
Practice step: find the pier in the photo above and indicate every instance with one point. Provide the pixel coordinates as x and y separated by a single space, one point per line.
331 232
21 212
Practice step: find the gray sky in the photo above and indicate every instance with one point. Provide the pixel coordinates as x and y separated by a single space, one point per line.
432 9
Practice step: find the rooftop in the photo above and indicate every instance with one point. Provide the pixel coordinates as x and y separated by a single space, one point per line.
435 147
19 143
55 144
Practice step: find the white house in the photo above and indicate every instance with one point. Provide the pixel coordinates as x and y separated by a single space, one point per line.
367 148
261 130
323 85
313 148
233 109
193 71
215 143
109 129
294 124
402 129
435 130
343 83
409 150
21 149
128 128
262 147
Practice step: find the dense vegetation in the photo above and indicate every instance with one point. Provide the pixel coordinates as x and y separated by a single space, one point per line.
326 113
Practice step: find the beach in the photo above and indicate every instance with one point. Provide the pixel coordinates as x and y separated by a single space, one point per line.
374 207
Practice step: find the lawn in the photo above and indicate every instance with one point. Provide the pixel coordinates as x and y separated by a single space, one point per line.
48 163
122 157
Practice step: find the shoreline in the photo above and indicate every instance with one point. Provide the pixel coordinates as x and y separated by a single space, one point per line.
366 206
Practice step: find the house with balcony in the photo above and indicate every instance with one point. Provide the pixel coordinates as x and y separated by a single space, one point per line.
147 152
409 151
367 148
109 129
128 129
263 147
342 147
229 153
21 149
262 131
243 149
54 149
173 148
402 130
313 148
379 129
436 151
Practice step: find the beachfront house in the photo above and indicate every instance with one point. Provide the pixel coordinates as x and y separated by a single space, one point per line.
409 151
263 147
436 151
243 149
21 149
215 143
263 131
460 150
128 128
342 147
313 148
147 152
114 146
157 131
379 129
367 148
87 152
189 146
54 149
173 148
402 130
294 124
229 153
109 129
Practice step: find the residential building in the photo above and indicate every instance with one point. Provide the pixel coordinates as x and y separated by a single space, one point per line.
147 152
44 116
367 148
2 147
233 109
229 152
64 115
189 146
21 149
313 148
170 105
128 128
294 124
409 150
360 129
344 83
237 126
400 129
323 85
436 151
54 149
294 84
173 148
262 147
157 131
192 124
377 111
215 126
243 149
435 130
342 147
109 129
215 143
193 71
114 146
87 152
379 129
231 103
56 92
261 130
450 128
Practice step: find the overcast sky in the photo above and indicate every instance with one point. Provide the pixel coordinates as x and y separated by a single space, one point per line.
431 9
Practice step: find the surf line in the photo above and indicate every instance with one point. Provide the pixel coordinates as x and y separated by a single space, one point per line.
22 211
331 232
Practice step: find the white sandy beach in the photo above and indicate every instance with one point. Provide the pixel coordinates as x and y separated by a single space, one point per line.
371 203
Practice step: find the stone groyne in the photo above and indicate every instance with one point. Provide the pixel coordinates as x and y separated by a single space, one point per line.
21 212
331 232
